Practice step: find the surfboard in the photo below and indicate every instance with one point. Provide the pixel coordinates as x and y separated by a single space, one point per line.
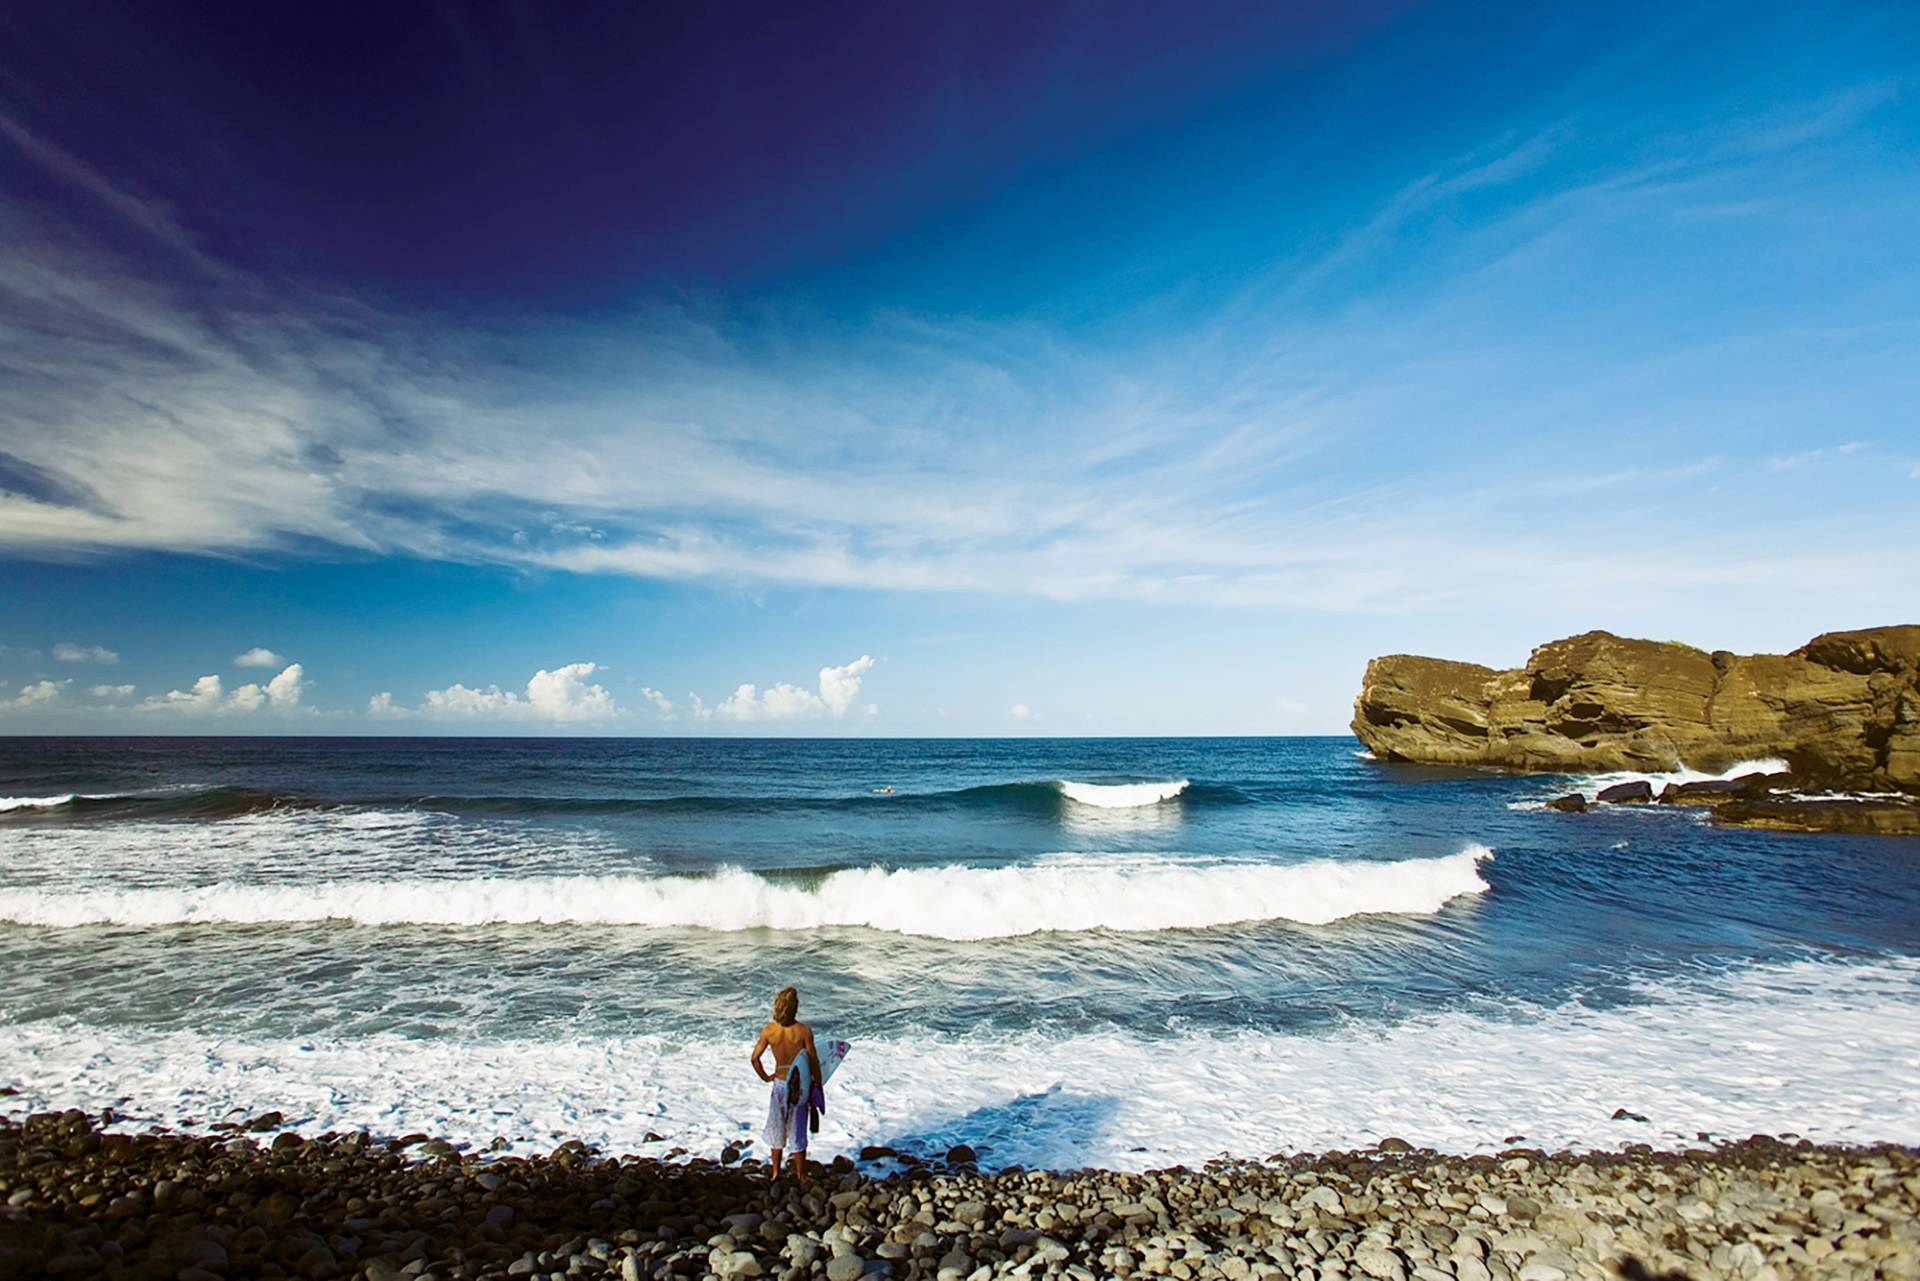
831 1054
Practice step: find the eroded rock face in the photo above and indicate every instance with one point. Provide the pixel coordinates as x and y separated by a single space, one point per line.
1843 709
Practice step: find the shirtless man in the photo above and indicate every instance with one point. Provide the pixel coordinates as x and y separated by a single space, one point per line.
787 1116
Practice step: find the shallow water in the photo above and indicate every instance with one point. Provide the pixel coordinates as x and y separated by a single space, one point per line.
1123 952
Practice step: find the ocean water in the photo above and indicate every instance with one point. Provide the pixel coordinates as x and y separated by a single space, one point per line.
1127 953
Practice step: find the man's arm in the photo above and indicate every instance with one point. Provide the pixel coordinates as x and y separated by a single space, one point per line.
813 1057
759 1047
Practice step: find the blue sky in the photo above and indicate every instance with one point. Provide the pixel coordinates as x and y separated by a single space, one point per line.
982 369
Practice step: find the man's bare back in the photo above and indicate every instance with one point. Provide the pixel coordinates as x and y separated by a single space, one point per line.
786 1042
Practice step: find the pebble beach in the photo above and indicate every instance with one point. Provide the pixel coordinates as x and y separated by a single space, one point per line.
80 1201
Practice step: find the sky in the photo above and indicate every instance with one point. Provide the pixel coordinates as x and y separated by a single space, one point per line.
983 369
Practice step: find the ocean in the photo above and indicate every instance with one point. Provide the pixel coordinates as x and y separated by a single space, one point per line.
1126 953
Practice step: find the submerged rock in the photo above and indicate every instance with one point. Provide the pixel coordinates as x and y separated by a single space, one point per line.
1843 709
1837 814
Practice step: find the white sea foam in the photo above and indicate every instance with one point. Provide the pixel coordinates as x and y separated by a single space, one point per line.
34 802
942 902
1823 1049
1590 785
1121 795
350 844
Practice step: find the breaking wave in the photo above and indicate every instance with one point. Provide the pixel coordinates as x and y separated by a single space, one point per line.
34 802
1591 785
1121 795
959 903
1038 799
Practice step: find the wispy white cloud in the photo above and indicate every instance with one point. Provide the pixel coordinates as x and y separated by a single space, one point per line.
661 703
68 652
1021 712
111 692
562 694
1241 461
258 657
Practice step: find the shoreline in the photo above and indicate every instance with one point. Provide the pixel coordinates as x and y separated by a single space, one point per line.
75 1201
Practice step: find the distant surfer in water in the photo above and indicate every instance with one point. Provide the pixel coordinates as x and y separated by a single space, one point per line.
795 1079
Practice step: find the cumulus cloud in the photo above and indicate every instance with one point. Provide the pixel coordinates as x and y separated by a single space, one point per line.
661 702
68 652
838 687
258 657
204 696
39 694
285 689
382 704
562 694
111 691
208 695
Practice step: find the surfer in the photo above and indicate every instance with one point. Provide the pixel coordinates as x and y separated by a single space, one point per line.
795 1077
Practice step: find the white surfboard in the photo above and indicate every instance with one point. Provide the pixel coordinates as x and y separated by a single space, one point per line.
831 1054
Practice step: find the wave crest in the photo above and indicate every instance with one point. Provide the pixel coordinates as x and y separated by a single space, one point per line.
34 802
961 903
1114 796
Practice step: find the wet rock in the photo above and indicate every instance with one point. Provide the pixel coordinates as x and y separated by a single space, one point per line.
1571 803
961 1154
1638 792
1712 791
1876 817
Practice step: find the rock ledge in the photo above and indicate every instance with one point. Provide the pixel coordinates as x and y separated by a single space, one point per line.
1843 710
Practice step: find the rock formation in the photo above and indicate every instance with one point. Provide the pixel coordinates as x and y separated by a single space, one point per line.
1843 710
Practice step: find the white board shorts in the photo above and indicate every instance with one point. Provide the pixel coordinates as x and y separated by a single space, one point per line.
786 1126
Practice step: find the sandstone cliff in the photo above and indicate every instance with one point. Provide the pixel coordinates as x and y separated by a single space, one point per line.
1843 709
